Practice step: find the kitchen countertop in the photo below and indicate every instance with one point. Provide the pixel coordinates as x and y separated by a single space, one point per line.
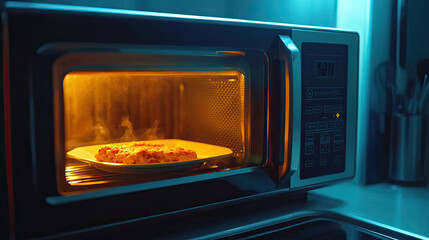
404 209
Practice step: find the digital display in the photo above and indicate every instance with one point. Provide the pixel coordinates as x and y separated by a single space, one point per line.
324 69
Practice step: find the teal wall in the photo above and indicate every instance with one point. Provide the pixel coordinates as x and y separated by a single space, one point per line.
306 12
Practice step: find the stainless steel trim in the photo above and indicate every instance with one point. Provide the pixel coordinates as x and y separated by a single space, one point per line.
75 9
294 59
352 41
307 216
125 189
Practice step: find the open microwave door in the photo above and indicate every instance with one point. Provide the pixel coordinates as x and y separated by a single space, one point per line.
284 109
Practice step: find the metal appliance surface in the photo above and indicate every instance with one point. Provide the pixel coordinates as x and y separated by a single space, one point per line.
282 216
407 148
297 124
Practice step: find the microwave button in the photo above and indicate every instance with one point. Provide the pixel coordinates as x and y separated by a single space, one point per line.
327 108
309 144
309 163
339 123
331 125
309 148
338 137
311 126
338 146
324 148
309 138
322 126
309 110
323 161
325 145
317 109
338 159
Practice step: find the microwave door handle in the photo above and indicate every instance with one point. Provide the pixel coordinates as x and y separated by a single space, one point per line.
290 71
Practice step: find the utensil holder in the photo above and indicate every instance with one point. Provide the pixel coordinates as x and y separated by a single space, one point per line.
408 149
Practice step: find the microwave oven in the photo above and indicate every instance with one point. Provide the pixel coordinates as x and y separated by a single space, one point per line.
267 108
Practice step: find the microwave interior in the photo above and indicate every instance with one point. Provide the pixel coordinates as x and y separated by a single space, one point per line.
119 115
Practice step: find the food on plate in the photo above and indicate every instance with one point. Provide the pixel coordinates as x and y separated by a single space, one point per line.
144 153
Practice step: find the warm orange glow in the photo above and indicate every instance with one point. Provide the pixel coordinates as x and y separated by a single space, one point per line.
76 175
125 74
285 168
117 106
103 107
233 52
82 183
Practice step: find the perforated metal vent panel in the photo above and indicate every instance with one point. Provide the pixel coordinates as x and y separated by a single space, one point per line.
213 110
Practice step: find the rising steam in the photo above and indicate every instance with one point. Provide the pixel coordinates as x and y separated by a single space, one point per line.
129 130
152 132
101 132
129 135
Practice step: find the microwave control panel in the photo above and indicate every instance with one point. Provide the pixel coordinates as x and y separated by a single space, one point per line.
324 107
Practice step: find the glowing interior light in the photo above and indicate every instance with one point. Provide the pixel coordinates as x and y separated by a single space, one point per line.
103 107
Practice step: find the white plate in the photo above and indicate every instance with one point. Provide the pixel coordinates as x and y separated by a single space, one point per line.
205 152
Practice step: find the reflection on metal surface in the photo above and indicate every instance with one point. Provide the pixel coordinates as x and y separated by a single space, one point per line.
386 205
78 173
283 170
233 52
313 225
82 177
